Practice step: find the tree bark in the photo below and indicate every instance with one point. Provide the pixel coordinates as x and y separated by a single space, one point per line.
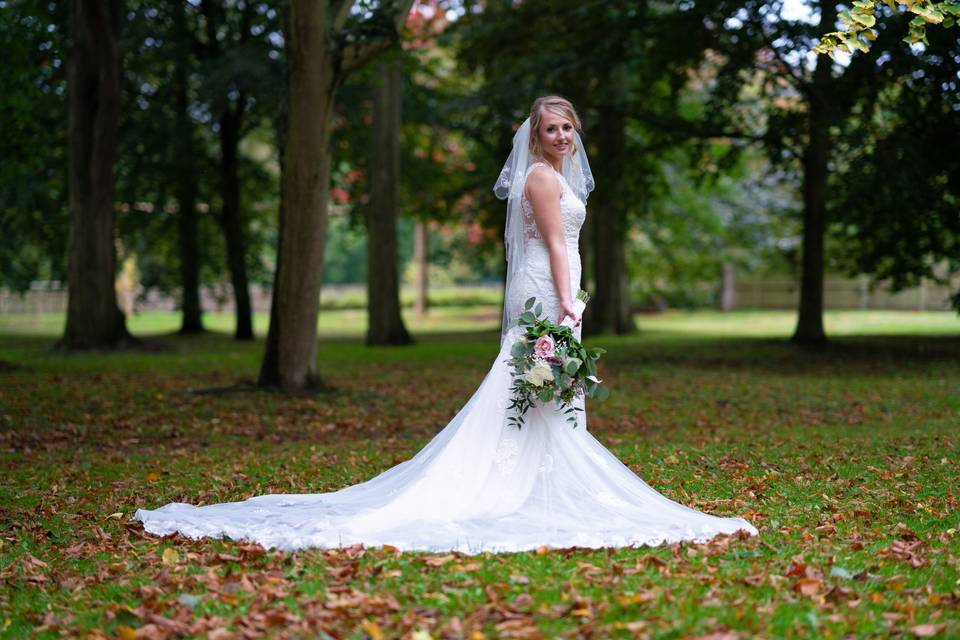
611 302
421 259
93 76
728 287
385 324
316 64
184 162
816 156
271 361
231 217
290 361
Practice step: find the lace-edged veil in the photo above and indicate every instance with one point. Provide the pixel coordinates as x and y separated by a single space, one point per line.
509 187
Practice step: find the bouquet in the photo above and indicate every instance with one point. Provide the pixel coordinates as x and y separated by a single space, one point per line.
549 363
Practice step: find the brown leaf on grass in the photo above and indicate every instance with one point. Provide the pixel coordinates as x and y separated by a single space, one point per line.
838 594
927 630
755 580
719 635
251 551
910 552
438 561
807 586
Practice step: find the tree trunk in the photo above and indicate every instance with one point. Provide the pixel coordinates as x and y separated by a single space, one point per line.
186 184
290 361
611 303
728 288
385 324
421 258
281 123
231 219
815 171
93 76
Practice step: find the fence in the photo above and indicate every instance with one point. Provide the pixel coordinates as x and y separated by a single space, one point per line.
758 293
842 293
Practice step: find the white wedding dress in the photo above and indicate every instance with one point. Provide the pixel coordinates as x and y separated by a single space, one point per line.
480 484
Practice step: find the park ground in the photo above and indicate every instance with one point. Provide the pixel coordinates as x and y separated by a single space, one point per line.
845 457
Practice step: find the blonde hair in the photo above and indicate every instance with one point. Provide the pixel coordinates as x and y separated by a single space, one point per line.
556 105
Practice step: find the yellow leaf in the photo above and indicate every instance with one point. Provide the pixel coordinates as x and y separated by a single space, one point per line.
543 550
115 516
153 476
126 633
372 629
582 612
477 635
170 556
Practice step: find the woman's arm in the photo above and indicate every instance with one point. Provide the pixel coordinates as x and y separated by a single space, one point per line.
543 191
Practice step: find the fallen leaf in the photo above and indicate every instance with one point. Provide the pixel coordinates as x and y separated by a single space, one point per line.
126 633
437 561
372 629
807 586
927 630
170 556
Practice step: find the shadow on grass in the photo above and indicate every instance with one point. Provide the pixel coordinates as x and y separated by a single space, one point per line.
854 354
861 355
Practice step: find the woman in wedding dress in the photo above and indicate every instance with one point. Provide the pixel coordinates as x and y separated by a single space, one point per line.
482 484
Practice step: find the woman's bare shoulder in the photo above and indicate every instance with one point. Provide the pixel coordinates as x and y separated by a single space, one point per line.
541 183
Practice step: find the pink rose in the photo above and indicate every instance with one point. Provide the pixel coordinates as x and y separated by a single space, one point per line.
544 346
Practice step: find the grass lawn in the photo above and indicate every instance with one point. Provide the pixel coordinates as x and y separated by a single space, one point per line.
846 459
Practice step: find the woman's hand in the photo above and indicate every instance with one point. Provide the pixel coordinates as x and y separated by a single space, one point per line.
567 310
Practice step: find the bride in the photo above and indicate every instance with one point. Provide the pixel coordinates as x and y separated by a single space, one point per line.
482 484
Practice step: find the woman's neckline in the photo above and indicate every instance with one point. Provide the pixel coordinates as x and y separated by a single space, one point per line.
547 164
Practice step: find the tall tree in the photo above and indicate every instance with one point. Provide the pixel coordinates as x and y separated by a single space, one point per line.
899 189
385 324
236 64
816 156
802 105
610 312
185 170
93 79
321 52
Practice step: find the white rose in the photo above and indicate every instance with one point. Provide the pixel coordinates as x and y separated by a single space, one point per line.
538 374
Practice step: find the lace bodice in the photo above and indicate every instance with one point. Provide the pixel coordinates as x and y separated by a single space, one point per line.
571 208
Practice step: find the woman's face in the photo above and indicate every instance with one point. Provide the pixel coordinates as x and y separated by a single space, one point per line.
556 136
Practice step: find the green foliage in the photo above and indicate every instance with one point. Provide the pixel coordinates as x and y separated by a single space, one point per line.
860 22
33 172
898 189
744 216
